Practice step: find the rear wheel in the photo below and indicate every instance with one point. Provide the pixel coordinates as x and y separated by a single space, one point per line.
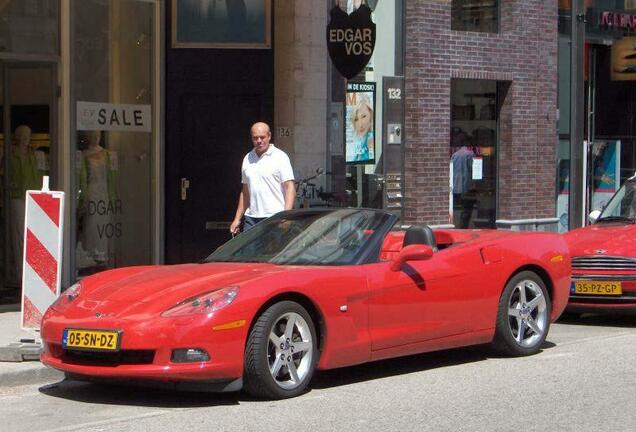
281 353
523 317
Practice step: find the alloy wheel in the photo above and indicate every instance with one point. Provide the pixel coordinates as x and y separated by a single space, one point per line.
527 313
290 350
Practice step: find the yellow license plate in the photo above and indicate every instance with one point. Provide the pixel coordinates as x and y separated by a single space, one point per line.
102 340
598 288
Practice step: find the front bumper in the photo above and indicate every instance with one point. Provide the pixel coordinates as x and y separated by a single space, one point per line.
146 350
625 302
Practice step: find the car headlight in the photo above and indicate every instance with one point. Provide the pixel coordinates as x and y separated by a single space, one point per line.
203 303
67 297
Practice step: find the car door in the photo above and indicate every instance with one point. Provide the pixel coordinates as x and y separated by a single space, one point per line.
425 300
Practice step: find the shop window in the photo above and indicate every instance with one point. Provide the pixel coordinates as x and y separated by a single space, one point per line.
26 152
29 27
473 153
475 15
112 83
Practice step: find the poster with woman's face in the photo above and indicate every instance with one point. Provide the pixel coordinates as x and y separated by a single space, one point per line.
359 120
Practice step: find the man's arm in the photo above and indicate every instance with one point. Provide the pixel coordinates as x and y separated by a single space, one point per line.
290 194
243 205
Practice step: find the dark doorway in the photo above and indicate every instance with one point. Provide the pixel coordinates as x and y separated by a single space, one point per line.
211 147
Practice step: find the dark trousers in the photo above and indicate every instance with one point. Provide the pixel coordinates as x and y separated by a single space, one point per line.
466 203
249 222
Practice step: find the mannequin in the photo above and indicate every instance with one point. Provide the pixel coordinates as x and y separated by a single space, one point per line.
27 167
97 193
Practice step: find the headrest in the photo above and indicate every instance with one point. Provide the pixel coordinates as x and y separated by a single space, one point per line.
420 234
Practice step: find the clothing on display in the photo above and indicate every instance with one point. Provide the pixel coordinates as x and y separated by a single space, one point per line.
98 191
26 168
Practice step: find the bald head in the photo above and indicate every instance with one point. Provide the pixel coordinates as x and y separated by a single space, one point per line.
261 136
260 127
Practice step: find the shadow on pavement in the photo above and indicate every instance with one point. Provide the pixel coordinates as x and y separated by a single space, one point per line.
401 366
624 319
107 394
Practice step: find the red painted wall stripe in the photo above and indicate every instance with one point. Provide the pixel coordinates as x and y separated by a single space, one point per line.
41 261
48 204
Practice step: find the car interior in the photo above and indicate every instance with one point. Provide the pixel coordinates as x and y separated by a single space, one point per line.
421 234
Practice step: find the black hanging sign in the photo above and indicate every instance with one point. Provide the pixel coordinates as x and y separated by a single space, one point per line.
350 40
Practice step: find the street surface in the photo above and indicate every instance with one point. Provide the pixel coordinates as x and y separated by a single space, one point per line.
583 380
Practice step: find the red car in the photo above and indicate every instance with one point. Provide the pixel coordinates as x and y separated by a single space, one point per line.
309 289
604 257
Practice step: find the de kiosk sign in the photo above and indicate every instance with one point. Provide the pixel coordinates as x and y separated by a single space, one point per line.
350 40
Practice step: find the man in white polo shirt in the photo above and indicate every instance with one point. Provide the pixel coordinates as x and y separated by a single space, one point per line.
268 181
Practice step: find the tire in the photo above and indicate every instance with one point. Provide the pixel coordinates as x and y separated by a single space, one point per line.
280 359
523 316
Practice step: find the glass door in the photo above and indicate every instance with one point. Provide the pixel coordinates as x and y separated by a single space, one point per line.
473 153
27 104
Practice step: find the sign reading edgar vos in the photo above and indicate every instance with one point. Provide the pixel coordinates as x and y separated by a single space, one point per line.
350 39
113 117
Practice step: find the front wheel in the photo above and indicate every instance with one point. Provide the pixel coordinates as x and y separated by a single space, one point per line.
523 317
281 353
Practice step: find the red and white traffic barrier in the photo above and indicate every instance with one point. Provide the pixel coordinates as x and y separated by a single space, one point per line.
42 260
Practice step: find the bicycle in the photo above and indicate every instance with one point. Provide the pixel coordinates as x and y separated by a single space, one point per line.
305 190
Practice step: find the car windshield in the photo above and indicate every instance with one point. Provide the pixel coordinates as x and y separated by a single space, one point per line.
305 237
622 206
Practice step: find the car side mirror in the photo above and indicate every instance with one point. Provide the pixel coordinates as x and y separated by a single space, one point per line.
593 216
415 252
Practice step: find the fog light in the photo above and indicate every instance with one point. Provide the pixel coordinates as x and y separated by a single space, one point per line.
188 355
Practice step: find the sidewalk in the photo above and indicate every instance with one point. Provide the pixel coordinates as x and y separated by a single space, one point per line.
23 366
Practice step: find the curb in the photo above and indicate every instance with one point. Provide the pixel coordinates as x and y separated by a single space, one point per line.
33 372
20 365
20 351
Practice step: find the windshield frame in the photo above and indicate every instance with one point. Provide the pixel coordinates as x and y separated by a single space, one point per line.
368 252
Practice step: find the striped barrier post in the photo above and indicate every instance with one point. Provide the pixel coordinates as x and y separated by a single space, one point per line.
42 260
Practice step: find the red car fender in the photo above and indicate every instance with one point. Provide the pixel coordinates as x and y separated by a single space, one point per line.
342 319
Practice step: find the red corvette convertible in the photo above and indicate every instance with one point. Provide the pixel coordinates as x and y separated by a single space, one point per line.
604 257
309 289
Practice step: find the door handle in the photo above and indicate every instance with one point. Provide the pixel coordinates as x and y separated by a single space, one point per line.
185 184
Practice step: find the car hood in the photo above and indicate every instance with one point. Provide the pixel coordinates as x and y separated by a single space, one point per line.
154 289
613 239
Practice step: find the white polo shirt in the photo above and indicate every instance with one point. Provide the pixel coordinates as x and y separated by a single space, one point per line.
264 177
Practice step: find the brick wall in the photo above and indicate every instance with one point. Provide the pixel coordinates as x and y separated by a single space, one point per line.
524 55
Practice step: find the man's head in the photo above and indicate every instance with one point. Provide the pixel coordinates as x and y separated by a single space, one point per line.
261 136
